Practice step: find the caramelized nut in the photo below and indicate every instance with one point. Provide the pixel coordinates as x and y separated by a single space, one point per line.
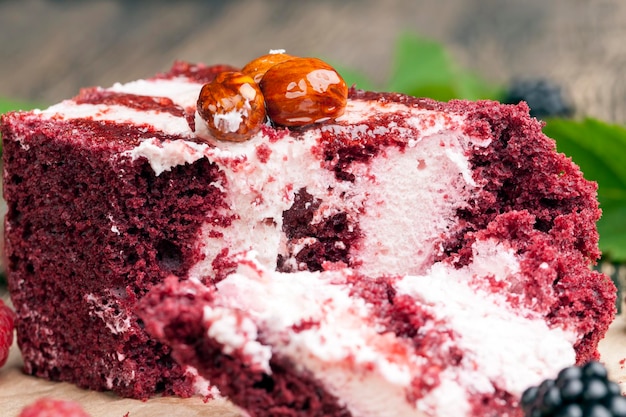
232 105
258 67
302 91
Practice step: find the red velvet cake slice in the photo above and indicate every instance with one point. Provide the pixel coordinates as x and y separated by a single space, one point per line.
395 232
338 343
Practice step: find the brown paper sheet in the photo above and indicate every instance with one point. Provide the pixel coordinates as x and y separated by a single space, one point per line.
18 390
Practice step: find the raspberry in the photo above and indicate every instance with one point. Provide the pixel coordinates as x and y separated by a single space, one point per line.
576 392
6 331
544 98
48 407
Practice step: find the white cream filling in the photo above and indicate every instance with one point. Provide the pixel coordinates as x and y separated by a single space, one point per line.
164 155
180 90
260 192
511 347
382 199
236 333
372 371
412 199
343 351
160 121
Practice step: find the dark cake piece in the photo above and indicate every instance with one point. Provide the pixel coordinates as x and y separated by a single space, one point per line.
118 188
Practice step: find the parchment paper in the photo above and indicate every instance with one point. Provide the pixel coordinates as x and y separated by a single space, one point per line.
18 390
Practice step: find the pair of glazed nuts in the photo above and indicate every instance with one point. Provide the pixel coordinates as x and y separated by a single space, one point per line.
291 91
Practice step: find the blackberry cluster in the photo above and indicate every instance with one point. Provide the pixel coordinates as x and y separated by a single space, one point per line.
544 98
577 391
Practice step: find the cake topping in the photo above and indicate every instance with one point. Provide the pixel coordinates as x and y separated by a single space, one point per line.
302 91
232 106
294 91
259 66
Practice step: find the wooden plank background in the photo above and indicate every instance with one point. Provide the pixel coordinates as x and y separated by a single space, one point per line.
49 49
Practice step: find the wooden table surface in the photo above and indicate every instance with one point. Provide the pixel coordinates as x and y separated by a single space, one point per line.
49 49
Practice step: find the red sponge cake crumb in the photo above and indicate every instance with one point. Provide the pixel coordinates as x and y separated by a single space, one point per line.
381 261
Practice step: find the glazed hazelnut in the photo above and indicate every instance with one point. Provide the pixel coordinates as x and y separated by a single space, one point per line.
259 66
232 106
302 91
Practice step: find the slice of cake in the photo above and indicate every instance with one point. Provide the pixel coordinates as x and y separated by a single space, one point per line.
341 251
337 343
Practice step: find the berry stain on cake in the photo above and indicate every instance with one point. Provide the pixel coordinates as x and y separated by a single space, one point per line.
304 248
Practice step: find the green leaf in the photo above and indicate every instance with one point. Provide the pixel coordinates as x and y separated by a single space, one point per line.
423 68
599 149
7 105
355 78
612 230
473 87
422 65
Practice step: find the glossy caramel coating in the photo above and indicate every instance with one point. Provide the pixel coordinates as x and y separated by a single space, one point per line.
232 106
302 91
259 66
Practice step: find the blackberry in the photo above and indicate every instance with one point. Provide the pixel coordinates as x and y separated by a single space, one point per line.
544 98
584 391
